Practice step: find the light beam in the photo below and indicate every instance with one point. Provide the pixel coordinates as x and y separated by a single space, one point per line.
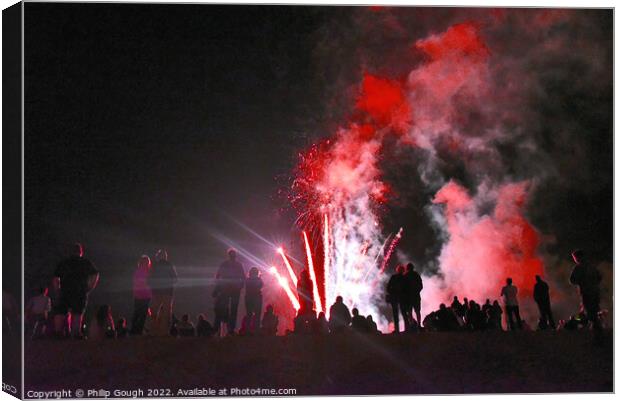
315 288
291 272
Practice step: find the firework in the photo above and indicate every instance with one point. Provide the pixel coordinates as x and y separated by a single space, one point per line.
315 288
284 284
390 250
291 272
326 272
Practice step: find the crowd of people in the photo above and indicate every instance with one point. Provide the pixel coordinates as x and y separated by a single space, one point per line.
59 310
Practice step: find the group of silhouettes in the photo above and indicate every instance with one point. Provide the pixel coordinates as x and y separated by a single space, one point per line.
59 310
405 285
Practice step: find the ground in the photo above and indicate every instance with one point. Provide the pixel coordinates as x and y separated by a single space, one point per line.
427 363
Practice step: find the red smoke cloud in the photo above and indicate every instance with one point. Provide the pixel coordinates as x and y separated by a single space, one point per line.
483 249
341 178
385 101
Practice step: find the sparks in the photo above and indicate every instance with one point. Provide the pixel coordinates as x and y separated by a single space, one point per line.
291 272
390 250
284 284
315 288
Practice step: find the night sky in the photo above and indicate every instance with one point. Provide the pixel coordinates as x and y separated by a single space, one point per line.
148 125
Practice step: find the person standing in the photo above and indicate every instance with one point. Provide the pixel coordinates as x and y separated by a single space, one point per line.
142 294
509 292
253 294
74 278
162 281
414 287
231 279
305 292
588 278
395 294
541 296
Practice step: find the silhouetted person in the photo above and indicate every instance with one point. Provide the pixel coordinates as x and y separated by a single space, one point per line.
142 294
395 296
203 327
372 326
476 319
305 291
511 303
320 325
414 286
249 324
231 279
269 324
304 322
495 316
588 278
339 316
162 281
102 325
358 322
253 294
185 327
486 307
446 319
37 310
541 296
75 278
221 307
456 305
464 308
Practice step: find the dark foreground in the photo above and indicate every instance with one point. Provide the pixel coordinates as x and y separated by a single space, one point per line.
427 363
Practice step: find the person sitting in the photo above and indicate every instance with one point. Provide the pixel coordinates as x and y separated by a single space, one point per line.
185 327
203 327
37 311
121 328
446 319
358 323
269 325
304 322
102 325
248 325
372 326
431 321
339 316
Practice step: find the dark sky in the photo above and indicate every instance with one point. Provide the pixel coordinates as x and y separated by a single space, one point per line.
146 125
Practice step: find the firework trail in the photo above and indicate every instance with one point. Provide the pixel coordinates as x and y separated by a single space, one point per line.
284 284
390 250
291 272
315 289
327 289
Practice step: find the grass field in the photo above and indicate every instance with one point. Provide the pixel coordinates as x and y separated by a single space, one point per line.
427 363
